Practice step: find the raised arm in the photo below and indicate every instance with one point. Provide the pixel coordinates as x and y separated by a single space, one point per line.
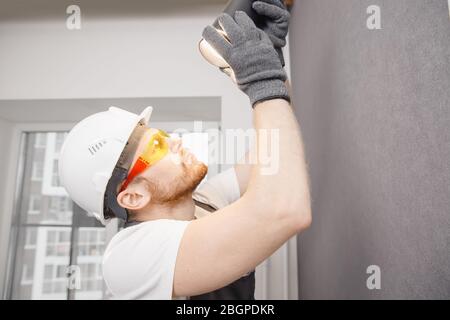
220 248
243 168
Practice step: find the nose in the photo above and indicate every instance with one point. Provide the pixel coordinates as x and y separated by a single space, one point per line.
175 145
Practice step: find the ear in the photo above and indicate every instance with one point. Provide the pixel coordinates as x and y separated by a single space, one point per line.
135 197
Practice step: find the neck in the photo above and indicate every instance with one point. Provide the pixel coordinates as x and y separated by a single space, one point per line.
181 209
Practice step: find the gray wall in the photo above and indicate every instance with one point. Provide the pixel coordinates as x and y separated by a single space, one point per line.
374 106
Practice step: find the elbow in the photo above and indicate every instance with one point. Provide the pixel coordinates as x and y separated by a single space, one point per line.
299 215
294 214
306 221
301 219
301 212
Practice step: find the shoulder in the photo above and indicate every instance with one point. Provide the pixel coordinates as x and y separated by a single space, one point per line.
139 261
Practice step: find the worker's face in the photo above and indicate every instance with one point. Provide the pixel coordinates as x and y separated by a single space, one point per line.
173 177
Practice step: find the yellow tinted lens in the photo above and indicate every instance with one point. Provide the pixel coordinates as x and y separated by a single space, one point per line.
157 148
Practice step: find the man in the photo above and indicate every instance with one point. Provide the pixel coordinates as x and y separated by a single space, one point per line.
113 165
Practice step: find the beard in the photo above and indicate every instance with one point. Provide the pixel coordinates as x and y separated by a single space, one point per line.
182 186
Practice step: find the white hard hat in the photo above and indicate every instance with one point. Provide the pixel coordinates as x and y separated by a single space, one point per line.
93 162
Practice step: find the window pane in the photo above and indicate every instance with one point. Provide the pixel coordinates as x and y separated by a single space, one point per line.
83 236
34 206
37 170
55 176
89 259
39 262
48 272
61 272
51 237
47 288
64 236
40 140
42 199
30 238
60 288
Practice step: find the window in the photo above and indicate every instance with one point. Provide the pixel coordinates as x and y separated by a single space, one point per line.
34 204
31 238
55 175
40 140
54 280
59 140
46 243
27 275
58 243
91 245
37 171
61 271
48 272
59 204
91 242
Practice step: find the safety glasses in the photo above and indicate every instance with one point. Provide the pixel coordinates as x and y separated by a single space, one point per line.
156 149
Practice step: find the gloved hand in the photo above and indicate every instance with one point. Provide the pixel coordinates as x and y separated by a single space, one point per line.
255 65
275 22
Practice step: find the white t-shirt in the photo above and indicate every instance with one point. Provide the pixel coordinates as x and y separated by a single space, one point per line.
139 262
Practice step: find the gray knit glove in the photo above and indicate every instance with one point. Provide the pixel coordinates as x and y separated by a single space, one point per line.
275 22
255 65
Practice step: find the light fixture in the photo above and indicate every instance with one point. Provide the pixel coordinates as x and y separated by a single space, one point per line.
209 53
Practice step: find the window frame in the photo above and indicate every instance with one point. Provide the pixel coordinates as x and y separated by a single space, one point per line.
11 203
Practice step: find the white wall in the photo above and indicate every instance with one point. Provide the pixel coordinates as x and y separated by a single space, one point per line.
144 56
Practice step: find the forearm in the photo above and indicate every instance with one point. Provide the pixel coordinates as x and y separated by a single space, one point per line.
258 73
244 166
286 191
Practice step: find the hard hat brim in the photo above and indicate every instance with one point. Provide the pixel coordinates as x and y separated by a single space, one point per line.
146 114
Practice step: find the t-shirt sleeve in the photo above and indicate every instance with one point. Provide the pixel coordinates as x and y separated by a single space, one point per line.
139 262
220 190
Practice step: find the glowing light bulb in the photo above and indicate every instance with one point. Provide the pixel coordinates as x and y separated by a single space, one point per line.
210 54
